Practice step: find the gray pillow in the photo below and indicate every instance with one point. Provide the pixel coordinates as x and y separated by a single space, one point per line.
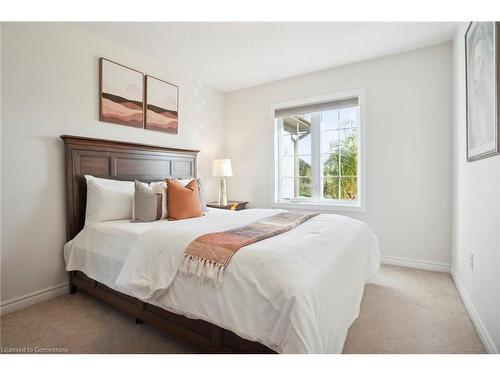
201 191
203 200
147 204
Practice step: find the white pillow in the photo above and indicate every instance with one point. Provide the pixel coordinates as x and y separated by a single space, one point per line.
108 199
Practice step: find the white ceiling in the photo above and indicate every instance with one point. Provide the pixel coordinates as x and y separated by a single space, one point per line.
232 56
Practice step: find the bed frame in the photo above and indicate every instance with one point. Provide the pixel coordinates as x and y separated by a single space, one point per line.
132 161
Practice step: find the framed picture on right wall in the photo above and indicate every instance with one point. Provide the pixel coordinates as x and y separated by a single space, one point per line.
482 69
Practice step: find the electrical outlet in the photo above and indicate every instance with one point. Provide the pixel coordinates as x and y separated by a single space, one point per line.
471 261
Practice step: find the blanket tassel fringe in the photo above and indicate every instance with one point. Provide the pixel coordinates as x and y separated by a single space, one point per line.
203 269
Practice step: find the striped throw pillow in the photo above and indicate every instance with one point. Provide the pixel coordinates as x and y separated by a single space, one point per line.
149 202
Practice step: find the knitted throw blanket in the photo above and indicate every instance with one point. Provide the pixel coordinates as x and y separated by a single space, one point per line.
208 255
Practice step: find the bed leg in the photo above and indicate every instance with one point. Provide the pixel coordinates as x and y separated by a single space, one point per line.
73 289
139 321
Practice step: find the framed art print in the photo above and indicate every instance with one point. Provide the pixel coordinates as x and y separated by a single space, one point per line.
121 94
162 105
482 49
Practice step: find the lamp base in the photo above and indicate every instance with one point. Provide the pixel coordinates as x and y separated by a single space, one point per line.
222 192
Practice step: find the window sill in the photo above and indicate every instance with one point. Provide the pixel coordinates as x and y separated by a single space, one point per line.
331 207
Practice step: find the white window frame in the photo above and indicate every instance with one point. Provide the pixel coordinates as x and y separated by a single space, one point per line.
324 204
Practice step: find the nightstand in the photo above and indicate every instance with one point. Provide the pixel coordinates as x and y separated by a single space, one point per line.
231 205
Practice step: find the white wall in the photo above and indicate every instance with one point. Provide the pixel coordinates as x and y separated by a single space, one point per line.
409 147
476 224
49 88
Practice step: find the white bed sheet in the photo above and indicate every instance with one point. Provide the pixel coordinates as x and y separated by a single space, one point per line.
296 293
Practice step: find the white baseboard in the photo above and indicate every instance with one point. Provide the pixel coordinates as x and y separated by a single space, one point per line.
412 263
32 298
488 344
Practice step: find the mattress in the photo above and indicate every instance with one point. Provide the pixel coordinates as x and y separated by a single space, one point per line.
100 249
297 292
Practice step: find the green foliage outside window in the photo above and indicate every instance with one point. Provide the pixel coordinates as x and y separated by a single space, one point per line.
339 179
305 173
335 185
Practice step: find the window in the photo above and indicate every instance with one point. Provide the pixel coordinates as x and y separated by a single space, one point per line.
318 149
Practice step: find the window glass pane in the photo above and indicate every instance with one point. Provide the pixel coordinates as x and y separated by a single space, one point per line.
348 136
329 140
330 165
290 126
348 152
302 169
287 188
348 166
296 187
287 142
305 168
331 188
304 143
348 117
297 124
295 155
288 166
296 143
348 188
330 120
305 187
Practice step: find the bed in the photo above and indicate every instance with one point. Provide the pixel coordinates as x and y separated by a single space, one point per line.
297 292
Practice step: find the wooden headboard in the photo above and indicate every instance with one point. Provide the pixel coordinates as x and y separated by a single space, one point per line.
118 161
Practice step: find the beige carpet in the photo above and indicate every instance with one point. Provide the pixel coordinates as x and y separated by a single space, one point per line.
405 311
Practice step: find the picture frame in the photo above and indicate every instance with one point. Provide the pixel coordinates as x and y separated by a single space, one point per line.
482 78
161 105
121 94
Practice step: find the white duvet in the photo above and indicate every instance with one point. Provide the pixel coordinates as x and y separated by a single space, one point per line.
297 292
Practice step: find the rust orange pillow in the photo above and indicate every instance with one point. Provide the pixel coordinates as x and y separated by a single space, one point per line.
183 201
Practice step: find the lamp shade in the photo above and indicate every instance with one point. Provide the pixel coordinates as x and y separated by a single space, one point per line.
222 168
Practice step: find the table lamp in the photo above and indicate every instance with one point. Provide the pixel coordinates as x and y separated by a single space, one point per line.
222 168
